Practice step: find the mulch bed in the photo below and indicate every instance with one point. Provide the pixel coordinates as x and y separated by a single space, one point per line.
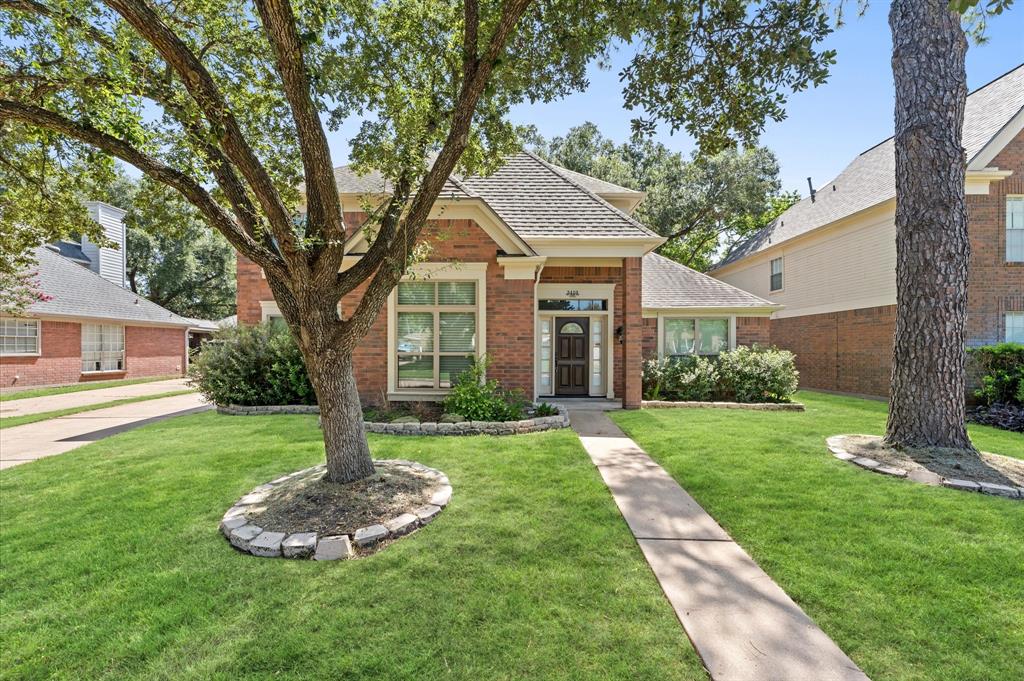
949 463
311 504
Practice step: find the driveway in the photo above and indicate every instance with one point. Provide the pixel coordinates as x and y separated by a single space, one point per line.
33 441
36 405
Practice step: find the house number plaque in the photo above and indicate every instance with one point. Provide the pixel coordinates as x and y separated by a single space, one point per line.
572 293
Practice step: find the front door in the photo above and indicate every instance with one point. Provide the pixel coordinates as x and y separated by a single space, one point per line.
571 355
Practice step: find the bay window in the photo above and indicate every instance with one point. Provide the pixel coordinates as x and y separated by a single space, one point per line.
694 336
102 347
436 332
19 336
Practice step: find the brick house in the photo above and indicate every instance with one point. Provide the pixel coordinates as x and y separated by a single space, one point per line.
542 269
90 326
831 258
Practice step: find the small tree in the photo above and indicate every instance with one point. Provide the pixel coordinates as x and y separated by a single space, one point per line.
224 102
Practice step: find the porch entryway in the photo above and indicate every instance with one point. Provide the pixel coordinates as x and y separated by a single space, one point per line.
574 332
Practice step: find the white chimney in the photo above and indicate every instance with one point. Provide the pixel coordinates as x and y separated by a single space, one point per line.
109 263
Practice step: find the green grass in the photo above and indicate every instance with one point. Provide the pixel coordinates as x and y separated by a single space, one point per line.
12 421
112 568
77 387
913 582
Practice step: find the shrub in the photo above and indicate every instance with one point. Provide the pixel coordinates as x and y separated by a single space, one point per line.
477 399
1001 367
544 409
252 365
741 375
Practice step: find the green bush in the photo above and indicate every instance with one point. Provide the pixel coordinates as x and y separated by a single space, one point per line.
1001 368
477 399
740 375
252 365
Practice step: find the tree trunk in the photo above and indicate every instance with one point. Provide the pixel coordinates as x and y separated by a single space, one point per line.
932 246
341 414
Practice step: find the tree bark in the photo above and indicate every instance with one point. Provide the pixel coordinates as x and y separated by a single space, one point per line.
341 416
932 246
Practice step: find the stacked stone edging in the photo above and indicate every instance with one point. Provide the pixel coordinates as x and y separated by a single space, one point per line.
534 425
922 476
755 406
251 538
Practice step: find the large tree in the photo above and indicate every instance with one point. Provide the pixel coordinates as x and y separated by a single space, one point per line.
927 389
703 204
224 102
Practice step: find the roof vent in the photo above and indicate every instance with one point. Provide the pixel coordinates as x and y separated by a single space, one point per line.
811 187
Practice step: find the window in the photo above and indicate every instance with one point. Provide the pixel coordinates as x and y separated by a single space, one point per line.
573 304
776 281
436 332
545 356
19 336
1015 327
102 347
694 337
1015 229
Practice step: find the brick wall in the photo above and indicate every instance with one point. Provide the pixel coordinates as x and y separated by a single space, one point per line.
150 351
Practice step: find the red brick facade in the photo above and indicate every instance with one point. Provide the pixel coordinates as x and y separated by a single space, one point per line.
851 351
510 312
149 351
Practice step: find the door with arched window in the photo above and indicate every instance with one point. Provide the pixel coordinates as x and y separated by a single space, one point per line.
571 334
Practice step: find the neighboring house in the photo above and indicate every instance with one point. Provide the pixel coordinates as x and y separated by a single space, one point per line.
831 258
542 269
89 326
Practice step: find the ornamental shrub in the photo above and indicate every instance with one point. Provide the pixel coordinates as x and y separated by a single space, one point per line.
683 379
758 374
1001 369
252 365
477 399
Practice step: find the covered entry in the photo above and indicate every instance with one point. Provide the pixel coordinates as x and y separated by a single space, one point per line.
573 330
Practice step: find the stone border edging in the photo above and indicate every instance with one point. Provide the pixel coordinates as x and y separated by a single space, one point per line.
922 476
251 538
533 425
755 406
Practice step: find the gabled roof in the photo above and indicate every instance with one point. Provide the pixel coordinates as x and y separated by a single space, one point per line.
535 199
669 285
871 178
599 187
76 291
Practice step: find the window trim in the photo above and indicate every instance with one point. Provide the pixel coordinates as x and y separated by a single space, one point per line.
124 350
696 330
437 272
782 274
39 338
1006 324
1007 230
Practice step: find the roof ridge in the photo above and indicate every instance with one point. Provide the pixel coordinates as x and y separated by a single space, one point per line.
707 276
558 168
629 218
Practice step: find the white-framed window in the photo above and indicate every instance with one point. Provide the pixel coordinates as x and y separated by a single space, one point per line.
545 355
19 336
701 336
102 347
1015 229
1015 327
775 283
436 332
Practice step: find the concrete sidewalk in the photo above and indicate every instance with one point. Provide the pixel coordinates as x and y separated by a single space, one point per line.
742 624
55 436
82 398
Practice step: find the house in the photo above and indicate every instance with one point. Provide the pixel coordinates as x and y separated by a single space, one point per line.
88 325
831 258
542 269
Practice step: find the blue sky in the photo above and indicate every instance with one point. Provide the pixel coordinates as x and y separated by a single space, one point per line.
826 127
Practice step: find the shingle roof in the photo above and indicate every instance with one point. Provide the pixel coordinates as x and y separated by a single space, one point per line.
593 184
667 284
76 291
870 178
533 197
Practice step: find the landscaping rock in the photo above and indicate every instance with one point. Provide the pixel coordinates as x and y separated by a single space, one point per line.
229 525
299 545
267 545
998 490
967 485
368 536
405 419
253 498
427 513
442 496
892 470
864 462
242 536
333 548
925 477
235 512
452 418
402 525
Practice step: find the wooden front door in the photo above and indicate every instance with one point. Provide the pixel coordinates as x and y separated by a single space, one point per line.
571 355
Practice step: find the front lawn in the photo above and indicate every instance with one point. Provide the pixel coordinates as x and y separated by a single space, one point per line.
112 568
913 582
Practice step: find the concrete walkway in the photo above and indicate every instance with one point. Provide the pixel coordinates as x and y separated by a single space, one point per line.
82 398
742 624
33 441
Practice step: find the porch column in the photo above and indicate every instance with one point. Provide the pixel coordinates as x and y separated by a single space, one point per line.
633 330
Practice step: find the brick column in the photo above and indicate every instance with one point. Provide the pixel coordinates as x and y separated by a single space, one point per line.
633 328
